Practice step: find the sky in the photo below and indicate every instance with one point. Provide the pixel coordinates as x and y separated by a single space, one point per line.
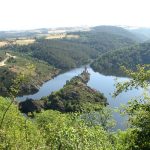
31 14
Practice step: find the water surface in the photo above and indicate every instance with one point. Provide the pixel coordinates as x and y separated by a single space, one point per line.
102 83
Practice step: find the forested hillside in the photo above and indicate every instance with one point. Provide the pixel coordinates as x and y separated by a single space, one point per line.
87 130
103 41
62 53
74 75
117 31
68 53
76 116
59 53
75 96
38 72
109 63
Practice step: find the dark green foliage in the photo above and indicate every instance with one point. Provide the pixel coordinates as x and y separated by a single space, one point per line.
42 72
103 41
55 130
17 132
138 110
110 62
49 130
68 131
32 106
59 53
5 79
68 53
76 96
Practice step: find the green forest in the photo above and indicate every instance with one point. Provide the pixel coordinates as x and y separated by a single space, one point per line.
111 62
69 53
40 72
75 117
52 129
53 56
75 96
58 53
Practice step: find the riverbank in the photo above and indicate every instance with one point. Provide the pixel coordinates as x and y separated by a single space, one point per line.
75 96
14 63
100 82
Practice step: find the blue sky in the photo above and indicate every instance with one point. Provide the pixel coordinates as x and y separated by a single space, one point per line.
30 14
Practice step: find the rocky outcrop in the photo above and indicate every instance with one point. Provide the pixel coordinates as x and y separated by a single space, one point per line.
75 96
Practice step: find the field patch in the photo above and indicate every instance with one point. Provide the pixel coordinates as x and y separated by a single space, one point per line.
3 43
61 36
24 41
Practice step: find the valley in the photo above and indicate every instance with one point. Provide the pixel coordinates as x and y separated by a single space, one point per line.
14 63
69 84
106 48
97 81
58 53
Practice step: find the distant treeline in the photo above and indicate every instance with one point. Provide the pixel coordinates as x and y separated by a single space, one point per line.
69 53
109 63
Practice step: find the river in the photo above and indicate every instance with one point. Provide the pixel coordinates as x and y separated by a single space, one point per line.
100 82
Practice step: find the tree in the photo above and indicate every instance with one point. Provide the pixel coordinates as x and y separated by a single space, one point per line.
21 78
137 137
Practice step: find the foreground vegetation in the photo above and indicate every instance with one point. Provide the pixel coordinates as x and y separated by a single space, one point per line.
49 130
54 130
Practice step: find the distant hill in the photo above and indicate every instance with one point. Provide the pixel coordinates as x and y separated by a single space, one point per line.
102 41
39 32
109 63
68 52
23 33
117 31
142 32
60 53
47 31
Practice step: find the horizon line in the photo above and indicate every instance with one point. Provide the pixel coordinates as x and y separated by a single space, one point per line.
78 26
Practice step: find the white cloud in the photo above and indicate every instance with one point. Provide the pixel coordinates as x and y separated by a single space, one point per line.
25 14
